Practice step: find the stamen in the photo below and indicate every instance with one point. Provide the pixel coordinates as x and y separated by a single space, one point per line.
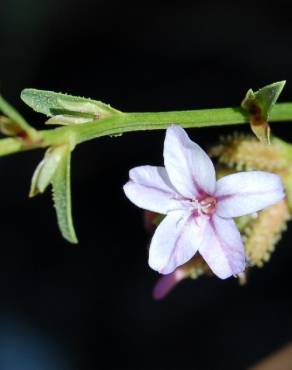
197 206
208 205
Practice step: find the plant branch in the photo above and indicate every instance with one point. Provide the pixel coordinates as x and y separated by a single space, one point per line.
126 122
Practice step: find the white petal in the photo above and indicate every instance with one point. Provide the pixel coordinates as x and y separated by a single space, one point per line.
149 188
175 241
189 168
247 192
222 248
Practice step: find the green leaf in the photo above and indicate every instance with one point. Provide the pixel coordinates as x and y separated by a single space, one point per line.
46 169
17 123
54 169
57 104
259 104
62 197
268 95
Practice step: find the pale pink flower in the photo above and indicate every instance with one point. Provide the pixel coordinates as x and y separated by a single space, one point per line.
198 209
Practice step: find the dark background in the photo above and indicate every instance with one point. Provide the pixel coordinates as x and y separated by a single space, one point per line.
89 306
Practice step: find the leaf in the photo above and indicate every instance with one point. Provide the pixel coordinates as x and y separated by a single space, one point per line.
57 104
268 95
54 169
46 169
259 105
62 197
65 119
17 125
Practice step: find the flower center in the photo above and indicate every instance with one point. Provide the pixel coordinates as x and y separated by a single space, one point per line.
206 206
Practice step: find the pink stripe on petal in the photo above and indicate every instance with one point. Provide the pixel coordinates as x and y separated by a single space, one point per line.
222 248
175 241
189 168
247 192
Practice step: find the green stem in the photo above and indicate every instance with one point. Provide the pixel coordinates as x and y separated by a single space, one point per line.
115 125
126 122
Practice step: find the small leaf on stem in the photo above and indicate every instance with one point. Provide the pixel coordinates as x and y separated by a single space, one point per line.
259 105
55 169
66 109
61 183
46 169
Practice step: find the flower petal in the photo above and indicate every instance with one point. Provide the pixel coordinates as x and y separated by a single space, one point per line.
149 188
247 192
175 241
189 168
222 247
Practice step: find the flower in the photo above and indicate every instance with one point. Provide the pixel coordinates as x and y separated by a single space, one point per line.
198 209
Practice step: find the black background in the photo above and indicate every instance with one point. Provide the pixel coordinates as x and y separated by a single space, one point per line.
93 301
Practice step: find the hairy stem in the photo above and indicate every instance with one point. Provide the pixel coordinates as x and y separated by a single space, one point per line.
126 122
